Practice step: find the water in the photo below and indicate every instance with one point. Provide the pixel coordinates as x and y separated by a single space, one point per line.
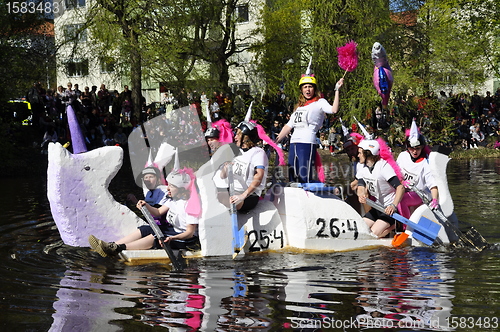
47 286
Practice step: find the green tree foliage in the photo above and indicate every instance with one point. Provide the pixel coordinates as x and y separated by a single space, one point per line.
281 25
25 49
335 23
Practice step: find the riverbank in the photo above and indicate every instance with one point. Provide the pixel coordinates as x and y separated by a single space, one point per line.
21 152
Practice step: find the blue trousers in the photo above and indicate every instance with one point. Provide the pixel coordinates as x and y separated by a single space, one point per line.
301 158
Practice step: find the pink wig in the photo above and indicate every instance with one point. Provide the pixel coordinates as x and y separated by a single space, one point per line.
357 137
386 154
225 130
263 136
193 206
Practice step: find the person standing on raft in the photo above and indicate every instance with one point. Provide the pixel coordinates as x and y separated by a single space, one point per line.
306 120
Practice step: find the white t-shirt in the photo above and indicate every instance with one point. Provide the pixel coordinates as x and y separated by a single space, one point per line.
377 181
177 215
307 120
418 173
244 168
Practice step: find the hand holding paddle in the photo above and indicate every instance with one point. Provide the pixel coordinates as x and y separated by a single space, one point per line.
425 231
178 265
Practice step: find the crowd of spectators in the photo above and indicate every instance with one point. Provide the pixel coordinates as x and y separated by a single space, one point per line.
107 117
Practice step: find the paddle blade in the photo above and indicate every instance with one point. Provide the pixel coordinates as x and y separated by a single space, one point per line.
238 235
399 239
427 231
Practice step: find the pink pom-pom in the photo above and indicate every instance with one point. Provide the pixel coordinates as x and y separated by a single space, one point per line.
348 56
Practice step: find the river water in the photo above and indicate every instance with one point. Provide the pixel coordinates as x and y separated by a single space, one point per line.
46 286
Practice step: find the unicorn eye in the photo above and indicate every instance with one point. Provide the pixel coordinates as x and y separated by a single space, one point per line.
87 168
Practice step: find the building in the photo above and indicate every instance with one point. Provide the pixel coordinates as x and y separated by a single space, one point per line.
76 64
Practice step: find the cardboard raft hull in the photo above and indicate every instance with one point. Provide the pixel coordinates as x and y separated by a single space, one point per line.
290 219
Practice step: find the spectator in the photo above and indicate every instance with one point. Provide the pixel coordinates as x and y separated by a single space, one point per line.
103 99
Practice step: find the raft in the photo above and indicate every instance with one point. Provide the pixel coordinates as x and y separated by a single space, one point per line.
288 218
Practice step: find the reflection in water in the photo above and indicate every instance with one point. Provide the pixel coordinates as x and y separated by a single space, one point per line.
175 301
84 303
48 286
406 289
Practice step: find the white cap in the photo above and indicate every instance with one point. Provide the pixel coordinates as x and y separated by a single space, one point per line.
178 179
371 145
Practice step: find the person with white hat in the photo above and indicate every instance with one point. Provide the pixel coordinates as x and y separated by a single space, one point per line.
414 164
306 120
182 214
377 178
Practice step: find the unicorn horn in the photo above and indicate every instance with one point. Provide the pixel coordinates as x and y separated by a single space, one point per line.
344 128
249 113
308 71
176 160
77 139
413 139
363 129
209 119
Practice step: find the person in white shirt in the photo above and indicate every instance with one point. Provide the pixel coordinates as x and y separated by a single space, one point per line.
182 228
249 168
377 178
306 120
416 171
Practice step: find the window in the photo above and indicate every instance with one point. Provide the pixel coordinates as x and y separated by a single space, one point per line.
107 65
77 68
242 12
75 32
70 4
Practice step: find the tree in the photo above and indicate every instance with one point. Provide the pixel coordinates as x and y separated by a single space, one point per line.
337 22
280 25
26 50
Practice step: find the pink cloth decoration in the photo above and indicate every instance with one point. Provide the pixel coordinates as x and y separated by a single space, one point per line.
193 207
263 136
357 137
410 198
225 130
348 56
386 154
319 168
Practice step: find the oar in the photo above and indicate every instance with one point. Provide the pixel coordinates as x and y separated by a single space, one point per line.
425 231
238 234
472 238
178 265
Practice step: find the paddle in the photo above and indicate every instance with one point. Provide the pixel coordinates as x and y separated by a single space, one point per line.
471 238
238 234
176 263
425 231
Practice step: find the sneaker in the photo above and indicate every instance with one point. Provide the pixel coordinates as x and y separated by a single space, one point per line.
103 248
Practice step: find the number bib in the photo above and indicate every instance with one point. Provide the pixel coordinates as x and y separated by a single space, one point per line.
411 178
240 171
300 118
372 186
171 218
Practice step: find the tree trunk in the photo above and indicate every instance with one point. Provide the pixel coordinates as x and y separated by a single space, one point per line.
136 75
